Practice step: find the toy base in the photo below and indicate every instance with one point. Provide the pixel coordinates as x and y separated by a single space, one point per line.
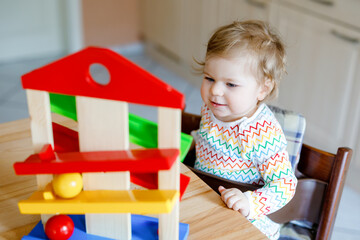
143 227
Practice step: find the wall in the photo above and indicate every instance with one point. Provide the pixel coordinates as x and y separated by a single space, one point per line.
110 22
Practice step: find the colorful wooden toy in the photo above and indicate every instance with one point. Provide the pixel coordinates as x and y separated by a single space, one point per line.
143 227
59 227
67 185
101 150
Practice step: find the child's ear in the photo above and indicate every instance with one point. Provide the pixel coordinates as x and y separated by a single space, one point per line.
265 89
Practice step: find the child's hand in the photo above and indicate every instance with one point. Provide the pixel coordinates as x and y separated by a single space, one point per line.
235 199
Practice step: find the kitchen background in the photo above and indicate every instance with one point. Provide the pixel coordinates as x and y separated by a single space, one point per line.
164 37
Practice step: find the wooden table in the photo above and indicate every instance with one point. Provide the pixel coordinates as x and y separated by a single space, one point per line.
200 207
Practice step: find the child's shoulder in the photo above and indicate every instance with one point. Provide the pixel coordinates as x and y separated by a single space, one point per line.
263 121
264 136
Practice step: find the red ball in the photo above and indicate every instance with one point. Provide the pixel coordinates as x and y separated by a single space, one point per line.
59 227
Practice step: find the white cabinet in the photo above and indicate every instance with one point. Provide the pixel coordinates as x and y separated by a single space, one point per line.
230 10
179 29
161 23
183 27
323 77
199 20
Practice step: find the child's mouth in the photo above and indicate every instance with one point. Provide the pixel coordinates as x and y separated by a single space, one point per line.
215 104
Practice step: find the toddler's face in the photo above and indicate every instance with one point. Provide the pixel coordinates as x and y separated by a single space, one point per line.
230 87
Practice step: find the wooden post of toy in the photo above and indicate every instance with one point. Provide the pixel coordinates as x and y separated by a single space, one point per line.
41 131
103 125
169 127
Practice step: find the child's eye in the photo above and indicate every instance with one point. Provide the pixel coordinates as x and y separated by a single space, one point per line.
231 85
209 79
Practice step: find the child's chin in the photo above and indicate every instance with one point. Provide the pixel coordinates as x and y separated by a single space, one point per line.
220 117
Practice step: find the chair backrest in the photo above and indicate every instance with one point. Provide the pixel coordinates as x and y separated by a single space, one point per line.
293 125
321 180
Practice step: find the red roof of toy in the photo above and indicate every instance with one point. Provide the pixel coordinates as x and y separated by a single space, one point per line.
128 82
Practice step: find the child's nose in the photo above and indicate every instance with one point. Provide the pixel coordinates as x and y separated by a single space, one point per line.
216 90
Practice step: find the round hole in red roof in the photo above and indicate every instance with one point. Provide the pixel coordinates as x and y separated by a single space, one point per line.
100 74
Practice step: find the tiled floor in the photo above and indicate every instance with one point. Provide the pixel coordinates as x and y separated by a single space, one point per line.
13 106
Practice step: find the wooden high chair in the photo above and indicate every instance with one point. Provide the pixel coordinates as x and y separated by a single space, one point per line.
321 178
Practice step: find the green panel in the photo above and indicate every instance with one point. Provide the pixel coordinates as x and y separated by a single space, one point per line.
64 105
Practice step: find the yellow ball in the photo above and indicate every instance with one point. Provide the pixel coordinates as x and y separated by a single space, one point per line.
67 185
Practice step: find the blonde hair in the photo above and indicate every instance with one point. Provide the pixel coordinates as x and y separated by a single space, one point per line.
256 38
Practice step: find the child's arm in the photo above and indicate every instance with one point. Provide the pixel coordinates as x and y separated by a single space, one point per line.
235 199
279 188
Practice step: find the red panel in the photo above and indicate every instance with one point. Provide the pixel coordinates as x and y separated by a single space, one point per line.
65 139
140 160
150 181
184 182
128 82
47 153
146 180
